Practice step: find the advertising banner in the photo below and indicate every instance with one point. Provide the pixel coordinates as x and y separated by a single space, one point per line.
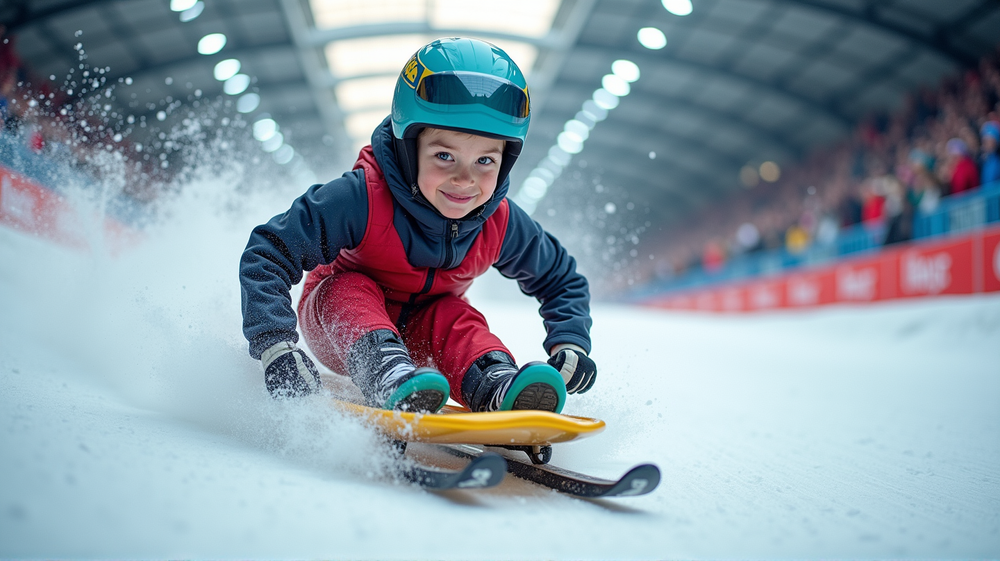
990 260
966 264
937 268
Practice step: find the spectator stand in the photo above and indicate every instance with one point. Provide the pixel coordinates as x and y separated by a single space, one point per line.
955 214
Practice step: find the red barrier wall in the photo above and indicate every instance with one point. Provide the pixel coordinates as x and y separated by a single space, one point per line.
32 208
965 264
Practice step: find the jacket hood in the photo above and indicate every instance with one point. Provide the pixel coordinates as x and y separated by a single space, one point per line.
430 221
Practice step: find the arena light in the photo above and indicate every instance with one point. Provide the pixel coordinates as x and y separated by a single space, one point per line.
181 5
626 70
615 85
264 129
594 111
193 12
248 102
576 131
237 84
272 144
770 172
570 143
578 128
559 156
546 175
605 99
211 43
678 7
226 69
534 188
652 38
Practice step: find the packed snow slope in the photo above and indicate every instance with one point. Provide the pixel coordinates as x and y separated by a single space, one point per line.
134 425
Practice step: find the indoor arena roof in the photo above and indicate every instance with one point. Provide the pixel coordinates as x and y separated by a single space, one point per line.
706 90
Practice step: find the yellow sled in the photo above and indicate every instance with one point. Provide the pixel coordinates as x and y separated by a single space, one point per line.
455 425
531 432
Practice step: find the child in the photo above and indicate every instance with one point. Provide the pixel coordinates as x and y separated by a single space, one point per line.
393 245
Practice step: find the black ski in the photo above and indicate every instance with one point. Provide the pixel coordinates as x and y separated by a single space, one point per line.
486 470
639 480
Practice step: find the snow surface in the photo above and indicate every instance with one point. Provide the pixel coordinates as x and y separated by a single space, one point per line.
134 425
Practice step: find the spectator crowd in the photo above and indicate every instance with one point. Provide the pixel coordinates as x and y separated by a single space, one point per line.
944 141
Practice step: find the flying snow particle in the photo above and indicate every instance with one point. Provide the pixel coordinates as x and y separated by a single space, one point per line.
161 116
610 208
652 155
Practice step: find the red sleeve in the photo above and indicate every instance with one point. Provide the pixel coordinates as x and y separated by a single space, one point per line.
966 176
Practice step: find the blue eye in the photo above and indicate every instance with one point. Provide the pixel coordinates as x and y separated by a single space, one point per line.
485 160
443 156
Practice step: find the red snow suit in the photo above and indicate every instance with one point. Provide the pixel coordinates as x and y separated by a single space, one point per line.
374 286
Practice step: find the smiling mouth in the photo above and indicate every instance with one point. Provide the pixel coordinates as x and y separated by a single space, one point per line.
457 198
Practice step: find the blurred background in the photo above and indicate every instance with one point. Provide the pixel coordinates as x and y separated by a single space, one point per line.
674 144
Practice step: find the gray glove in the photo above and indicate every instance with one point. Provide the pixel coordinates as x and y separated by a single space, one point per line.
577 369
288 372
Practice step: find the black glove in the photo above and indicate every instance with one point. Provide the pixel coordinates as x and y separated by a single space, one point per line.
288 372
576 368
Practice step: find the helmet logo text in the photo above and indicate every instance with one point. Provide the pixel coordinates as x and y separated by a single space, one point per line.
413 71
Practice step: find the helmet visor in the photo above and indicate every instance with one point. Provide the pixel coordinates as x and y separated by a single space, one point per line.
470 88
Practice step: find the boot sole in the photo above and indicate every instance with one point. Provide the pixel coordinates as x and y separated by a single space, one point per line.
537 386
424 400
427 392
540 396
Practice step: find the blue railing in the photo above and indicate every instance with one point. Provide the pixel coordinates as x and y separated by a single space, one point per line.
961 212
954 214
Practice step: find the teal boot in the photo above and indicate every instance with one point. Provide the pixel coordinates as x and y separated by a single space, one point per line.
381 366
494 383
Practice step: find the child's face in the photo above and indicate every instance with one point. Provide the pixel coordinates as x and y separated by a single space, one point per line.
457 172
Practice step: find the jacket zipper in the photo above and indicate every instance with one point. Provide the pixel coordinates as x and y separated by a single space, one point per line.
432 272
449 245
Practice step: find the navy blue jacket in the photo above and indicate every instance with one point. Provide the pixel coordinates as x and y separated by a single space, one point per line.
331 217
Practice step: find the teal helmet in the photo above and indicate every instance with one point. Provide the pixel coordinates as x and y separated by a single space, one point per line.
465 85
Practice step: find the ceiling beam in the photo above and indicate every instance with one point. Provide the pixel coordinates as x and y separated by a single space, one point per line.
938 41
24 14
880 73
552 60
315 66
